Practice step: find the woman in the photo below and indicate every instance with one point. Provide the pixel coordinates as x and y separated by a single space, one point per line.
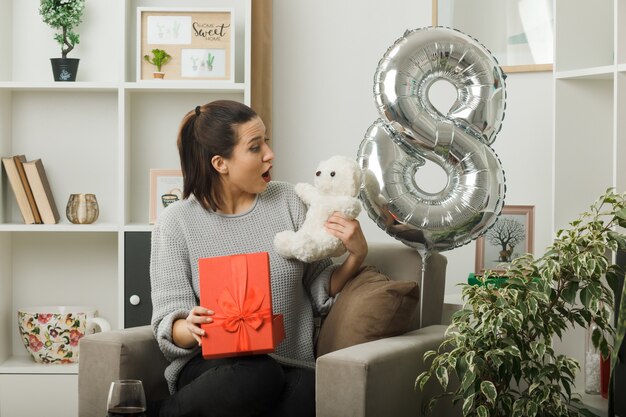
230 206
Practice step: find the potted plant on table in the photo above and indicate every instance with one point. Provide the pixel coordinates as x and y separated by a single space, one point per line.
159 58
498 349
64 16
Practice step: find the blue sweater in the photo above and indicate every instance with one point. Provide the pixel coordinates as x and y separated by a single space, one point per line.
185 232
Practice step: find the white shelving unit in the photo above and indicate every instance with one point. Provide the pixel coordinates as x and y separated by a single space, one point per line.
100 135
590 132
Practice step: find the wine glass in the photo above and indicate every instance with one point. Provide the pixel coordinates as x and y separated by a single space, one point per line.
126 399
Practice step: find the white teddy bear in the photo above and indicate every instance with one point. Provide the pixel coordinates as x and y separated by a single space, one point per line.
337 181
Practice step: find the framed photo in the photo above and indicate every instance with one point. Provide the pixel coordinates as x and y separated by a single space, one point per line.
200 43
518 33
510 237
166 187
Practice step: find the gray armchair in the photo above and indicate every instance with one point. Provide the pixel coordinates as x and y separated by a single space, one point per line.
371 379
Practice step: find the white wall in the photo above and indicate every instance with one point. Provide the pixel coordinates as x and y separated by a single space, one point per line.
325 56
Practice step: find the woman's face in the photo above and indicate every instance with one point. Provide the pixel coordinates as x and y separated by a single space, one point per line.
248 169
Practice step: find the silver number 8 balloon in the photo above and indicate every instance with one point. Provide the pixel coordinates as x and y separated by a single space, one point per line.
411 130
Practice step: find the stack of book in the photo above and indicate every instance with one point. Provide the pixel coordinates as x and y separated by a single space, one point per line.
31 189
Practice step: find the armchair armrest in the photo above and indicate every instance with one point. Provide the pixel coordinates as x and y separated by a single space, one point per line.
119 354
378 378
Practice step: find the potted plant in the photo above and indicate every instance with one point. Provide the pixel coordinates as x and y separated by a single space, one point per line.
64 16
159 58
498 349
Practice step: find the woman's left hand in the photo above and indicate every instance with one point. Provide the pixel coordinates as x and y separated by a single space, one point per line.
349 232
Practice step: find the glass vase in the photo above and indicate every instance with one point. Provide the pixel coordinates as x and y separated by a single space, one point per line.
592 363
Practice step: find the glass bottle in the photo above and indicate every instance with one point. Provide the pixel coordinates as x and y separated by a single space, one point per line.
592 363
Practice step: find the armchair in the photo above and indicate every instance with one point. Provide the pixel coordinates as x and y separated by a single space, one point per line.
371 379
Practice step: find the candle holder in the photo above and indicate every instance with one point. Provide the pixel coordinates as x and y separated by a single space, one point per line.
82 208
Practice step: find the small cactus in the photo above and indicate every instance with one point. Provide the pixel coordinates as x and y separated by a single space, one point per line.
159 58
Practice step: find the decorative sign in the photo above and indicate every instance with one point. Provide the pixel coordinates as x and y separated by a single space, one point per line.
199 43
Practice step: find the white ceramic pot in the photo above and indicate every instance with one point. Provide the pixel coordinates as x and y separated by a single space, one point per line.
51 333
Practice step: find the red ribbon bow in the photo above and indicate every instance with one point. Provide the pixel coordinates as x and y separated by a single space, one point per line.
244 311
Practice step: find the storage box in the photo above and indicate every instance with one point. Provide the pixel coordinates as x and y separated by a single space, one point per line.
237 288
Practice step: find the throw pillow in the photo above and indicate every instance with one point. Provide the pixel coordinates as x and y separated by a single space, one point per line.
370 307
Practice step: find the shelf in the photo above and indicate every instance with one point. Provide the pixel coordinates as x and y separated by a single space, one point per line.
59 227
589 132
24 364
185 86
138 227
101 135
59 86
142 86
605 72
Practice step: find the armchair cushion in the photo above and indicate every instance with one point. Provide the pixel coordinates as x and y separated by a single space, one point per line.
370 307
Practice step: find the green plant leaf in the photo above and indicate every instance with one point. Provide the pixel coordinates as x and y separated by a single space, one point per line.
489 391
596 334
567 387
620 216
513 350
431 405
468 379
442 376
570 291
428 354
533 387
612 278
518 408
421 380
482 411
468 403
585 297
620 330
515 281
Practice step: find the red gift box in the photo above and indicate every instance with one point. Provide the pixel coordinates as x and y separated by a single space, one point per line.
237 288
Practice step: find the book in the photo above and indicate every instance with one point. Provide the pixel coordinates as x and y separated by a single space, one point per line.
19 164
18 190
38 181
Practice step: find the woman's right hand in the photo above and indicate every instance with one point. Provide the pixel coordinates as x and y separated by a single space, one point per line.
187 332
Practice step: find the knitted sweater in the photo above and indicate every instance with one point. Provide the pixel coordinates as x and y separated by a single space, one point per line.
185 232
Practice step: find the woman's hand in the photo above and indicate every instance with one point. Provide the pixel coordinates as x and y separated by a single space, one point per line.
187 332
350 233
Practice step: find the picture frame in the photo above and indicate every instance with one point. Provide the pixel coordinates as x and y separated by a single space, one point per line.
511 236
166 188
519 33
200 42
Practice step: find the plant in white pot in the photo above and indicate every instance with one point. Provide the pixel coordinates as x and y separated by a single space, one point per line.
64 16
159 58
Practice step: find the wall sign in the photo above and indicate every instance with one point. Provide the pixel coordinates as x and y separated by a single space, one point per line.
199 41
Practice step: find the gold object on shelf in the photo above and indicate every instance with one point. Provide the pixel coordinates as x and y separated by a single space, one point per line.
82 208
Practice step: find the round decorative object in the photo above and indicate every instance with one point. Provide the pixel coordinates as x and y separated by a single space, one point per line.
82 208
412 132
51 333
